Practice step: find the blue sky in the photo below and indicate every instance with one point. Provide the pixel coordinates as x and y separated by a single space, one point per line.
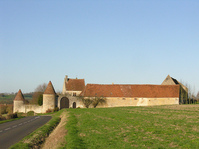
120 41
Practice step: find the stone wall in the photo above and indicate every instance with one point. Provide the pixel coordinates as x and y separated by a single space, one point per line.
120 102
35 108
24 108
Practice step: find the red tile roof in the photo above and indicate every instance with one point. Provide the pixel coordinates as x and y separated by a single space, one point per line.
145 91
75 85
19 96
50 89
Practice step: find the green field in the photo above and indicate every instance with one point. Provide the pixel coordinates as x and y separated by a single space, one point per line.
8 99
134 127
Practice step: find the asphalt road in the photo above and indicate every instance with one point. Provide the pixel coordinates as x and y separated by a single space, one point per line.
12 132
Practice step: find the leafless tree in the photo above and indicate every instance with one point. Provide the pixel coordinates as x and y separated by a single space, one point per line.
38 92
87 101
97 100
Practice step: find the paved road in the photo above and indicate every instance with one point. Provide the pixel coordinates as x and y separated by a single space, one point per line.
13 132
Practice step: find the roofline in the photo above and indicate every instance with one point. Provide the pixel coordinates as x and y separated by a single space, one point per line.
134 84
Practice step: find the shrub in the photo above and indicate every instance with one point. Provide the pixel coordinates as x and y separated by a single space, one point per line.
40 100
49 111
56 109
9 109
11 116
31 113
2 118
3 109
20 114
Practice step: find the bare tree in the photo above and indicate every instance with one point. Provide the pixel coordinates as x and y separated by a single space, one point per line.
38 93
87 101
41 87
98 100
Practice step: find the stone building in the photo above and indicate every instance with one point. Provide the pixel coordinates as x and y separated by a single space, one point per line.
183 91
68 99
171 92
73 87
118 95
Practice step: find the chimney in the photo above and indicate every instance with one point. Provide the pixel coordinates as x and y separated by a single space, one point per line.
66 78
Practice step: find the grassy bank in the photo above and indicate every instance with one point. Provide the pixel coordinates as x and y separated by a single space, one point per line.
134 127
35 139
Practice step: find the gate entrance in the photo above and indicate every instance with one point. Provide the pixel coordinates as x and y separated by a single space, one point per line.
64 103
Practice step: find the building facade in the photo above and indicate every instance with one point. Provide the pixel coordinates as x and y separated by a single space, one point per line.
170 92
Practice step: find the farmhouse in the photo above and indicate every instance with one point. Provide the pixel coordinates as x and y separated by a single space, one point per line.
169 92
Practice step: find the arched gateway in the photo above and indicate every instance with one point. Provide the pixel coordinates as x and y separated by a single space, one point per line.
64 103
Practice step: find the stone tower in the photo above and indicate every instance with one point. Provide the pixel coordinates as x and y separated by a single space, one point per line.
19 102
49 98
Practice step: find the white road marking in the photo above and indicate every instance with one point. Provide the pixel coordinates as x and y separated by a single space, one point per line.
7 128
20 124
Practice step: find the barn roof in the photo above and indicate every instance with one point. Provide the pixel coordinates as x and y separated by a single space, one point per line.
50 89
19 96
75 85
172 81
145 91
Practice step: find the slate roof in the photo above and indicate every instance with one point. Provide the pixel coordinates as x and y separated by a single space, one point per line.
50 89
19 96
145 91
75 85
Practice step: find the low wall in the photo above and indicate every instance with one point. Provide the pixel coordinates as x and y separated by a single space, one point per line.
35 108
24 108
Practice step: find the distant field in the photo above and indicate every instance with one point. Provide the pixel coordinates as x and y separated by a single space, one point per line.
8 99
134 127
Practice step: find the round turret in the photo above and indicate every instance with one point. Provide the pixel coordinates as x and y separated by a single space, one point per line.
19 102
49 98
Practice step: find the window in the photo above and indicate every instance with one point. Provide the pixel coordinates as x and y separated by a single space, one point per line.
74 94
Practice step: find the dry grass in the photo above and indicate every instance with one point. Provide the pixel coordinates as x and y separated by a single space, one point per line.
57 138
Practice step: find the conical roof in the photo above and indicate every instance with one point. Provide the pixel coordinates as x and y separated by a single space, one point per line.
19 96
50 89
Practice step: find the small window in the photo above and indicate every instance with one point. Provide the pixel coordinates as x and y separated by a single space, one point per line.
74 94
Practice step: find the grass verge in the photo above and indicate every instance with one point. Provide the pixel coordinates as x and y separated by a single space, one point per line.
36 138
72 137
